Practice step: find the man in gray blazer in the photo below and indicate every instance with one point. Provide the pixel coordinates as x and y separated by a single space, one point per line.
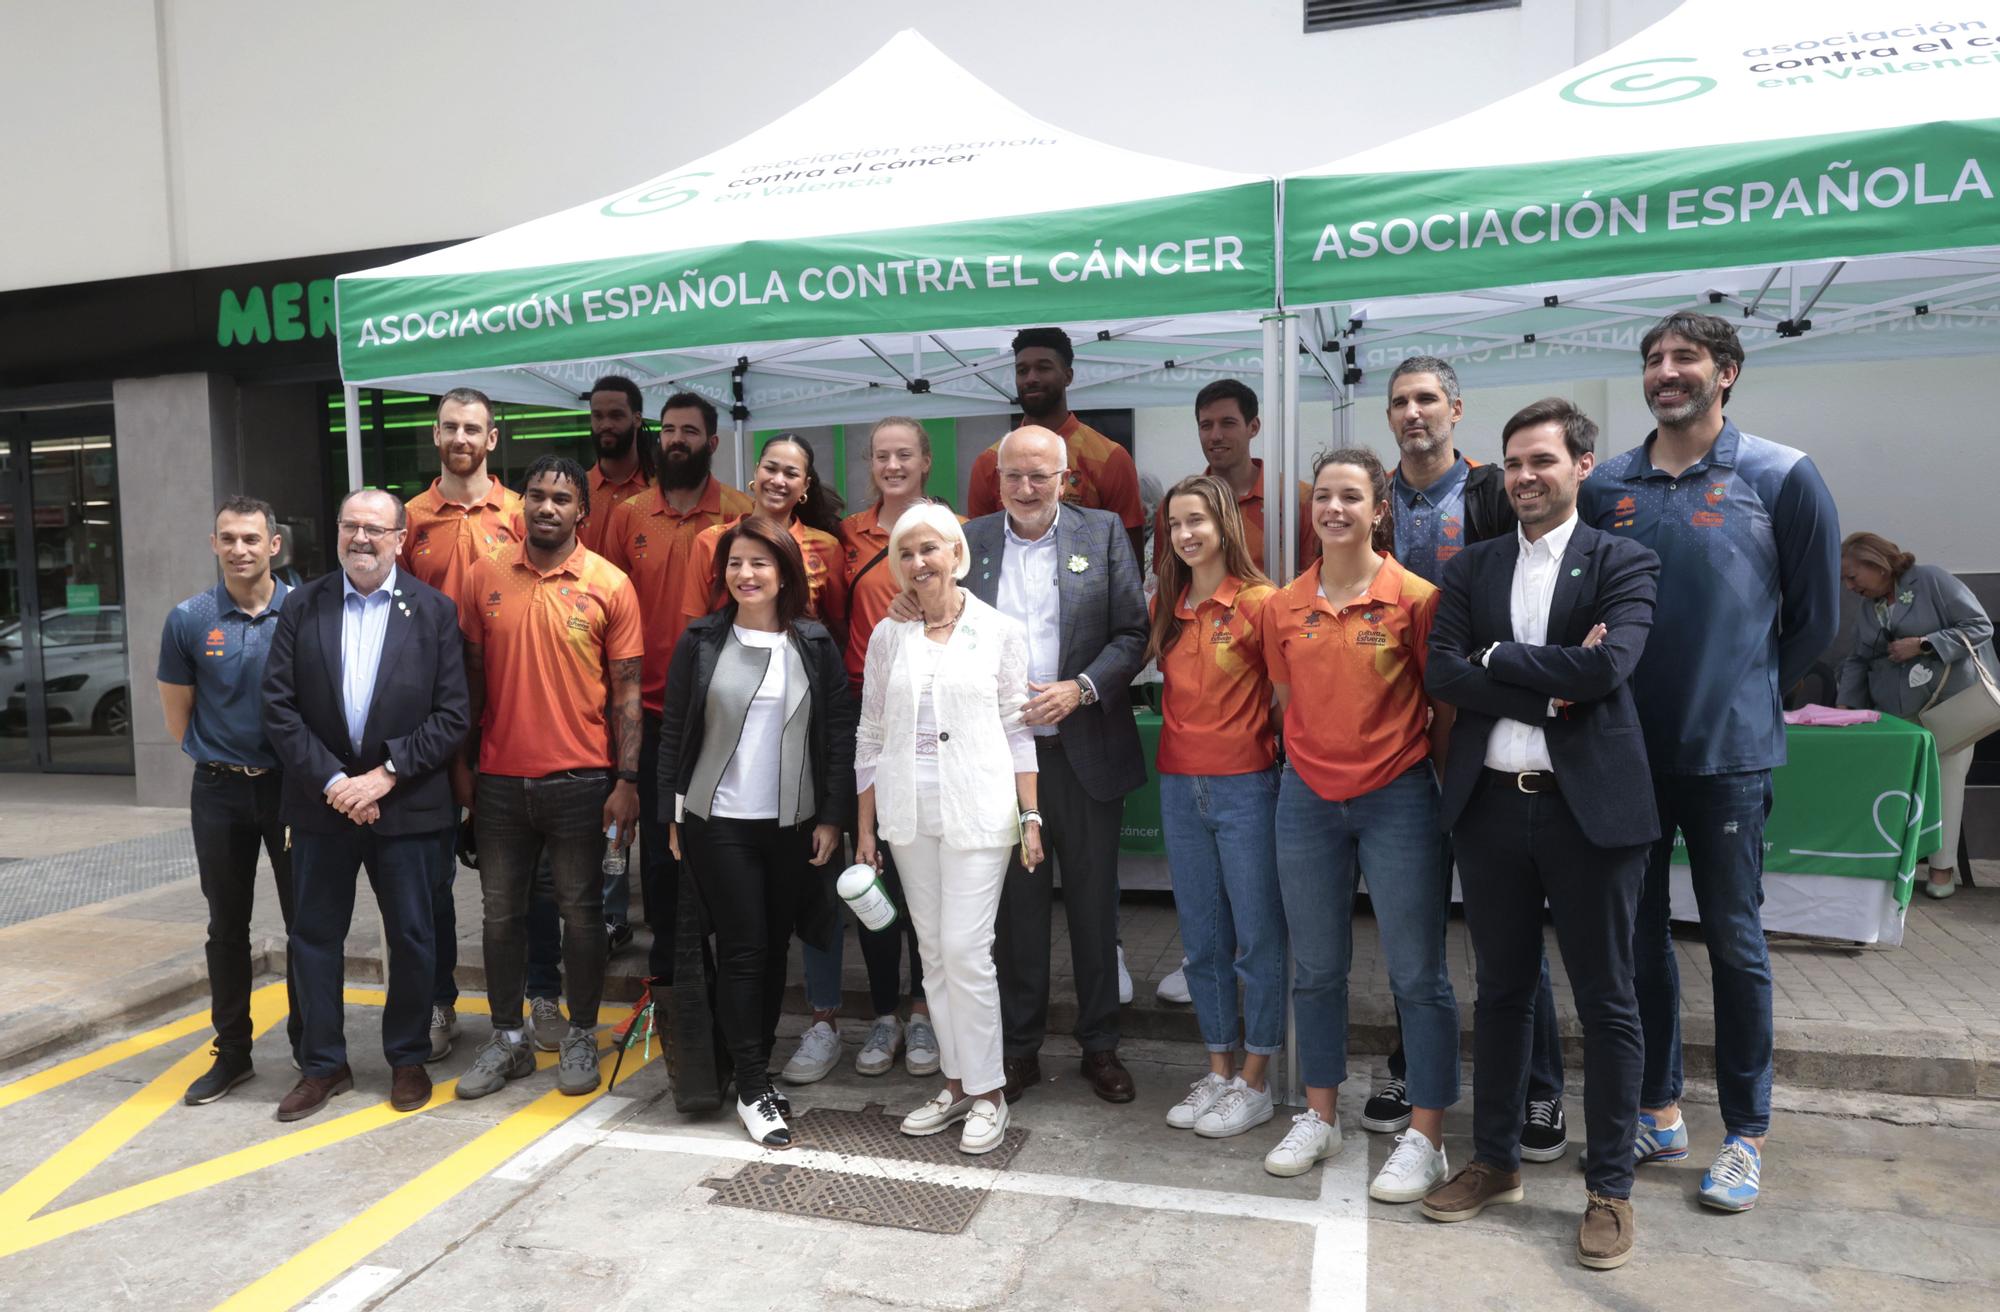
1068 574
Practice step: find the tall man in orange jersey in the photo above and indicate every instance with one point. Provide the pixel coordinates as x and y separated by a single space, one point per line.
648 537
465 514
552 655
1101 474
625 456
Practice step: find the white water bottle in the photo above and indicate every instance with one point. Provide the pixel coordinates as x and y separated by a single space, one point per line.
861 888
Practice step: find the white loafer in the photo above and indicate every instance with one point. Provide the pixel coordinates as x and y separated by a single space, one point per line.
936 1114
985 1126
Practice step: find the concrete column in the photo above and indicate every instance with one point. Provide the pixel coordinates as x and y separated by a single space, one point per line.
177 454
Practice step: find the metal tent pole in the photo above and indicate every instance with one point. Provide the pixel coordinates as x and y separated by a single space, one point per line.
351 396
1275 447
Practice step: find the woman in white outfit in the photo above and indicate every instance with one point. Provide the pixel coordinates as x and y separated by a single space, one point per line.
941 759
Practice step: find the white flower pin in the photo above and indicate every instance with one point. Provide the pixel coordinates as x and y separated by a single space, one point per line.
1906 596
1078 564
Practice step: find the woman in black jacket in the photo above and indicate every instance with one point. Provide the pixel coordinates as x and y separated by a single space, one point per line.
757 771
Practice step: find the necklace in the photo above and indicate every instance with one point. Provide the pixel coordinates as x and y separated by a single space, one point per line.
947 623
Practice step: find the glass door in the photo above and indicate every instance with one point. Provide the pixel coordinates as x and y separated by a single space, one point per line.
62 636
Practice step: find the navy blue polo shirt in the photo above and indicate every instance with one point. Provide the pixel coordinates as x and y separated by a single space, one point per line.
209 643
1430 525
1749 546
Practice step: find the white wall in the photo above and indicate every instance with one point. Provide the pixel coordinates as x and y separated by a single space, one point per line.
195 133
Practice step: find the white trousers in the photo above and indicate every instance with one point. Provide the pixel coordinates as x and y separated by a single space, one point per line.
1952 770
954 895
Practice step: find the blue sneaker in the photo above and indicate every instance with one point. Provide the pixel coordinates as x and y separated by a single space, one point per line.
1655 1143
1731 1184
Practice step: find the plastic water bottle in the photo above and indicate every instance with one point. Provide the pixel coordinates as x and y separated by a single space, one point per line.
861 888
613 865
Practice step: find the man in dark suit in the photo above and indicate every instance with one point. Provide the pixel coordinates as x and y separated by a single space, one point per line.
1548 795
1068 574
365 704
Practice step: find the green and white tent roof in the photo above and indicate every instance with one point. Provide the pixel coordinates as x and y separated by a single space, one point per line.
1824 170
888 232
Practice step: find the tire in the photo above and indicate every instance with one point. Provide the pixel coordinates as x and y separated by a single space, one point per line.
113 716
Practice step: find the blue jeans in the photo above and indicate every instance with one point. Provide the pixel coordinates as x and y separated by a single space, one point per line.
1221 833
1393 835
1722 818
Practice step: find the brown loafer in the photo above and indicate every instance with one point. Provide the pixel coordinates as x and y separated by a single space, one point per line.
1023 1074
311 1092
410 1088
1468 1193
1604 1240
1108 1077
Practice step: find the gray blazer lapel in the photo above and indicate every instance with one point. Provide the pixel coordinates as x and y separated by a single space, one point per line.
986 544
1070 584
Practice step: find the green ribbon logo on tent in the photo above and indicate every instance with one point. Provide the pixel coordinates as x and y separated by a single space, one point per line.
1637 90
653 197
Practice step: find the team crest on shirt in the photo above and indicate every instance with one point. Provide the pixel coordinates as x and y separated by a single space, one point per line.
639 543
1715 494
1450 527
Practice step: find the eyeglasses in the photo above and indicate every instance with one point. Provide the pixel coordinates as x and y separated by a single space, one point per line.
365 532
1016 477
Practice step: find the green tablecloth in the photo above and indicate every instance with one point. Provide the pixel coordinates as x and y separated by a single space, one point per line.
1843 806
1860 802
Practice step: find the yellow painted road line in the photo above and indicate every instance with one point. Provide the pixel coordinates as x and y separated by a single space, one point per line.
30 1231
110 1055
121 1124
325 1260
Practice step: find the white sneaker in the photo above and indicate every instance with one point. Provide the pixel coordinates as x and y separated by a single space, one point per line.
1413 1170
1174 987
1239 1108
936 1114
878 1055
1202 1095
1124 979
985 1125
762 1119
920 1045
1308 1141
818 1053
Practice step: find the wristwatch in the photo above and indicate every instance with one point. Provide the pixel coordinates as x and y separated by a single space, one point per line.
626 776
1086 691
390 766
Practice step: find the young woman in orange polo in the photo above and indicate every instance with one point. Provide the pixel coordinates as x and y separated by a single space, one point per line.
1218 790
786 491
1346 645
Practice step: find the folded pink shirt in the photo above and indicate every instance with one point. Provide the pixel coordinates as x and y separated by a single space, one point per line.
1814 713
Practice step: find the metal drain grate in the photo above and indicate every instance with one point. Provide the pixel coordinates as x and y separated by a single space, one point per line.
866 1199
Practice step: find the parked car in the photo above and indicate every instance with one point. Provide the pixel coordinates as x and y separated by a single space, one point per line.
83 672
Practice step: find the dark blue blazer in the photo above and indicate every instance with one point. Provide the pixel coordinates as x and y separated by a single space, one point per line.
1595 745
419 714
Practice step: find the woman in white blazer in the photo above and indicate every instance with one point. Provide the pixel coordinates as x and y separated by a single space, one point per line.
941 759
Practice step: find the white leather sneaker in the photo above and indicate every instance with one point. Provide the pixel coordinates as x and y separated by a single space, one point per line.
1201 1096
1239 1108
1308 1141
1414 1169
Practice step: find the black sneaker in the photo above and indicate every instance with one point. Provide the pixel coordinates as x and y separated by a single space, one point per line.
230 1069
1388 1112
617 934
1544 1137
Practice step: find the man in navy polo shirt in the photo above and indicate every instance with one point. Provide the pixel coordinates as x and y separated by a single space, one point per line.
211 676
1749 597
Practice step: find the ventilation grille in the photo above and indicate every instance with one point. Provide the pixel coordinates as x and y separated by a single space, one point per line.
1327 15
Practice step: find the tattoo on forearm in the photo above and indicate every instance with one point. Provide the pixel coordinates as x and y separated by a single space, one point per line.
627 724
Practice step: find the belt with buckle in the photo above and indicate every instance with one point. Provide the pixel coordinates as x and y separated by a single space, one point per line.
252 771
1527 781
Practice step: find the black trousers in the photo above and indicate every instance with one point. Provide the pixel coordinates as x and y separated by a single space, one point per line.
752 876
1514 850
659 873
232 815
1080 836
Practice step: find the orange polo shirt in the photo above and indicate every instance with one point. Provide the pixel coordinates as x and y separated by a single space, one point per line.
1357 716
604 499
826 573
547 641
1251 507
445 538
650 541
1216 708
1101 476
862 537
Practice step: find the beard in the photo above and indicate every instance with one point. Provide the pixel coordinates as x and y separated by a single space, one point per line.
684 471
616 445
1698 401
1427 442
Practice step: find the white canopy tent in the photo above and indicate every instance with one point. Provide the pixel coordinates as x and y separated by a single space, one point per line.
1823 171
869 252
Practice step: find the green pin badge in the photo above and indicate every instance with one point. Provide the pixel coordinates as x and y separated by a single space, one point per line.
1576 573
